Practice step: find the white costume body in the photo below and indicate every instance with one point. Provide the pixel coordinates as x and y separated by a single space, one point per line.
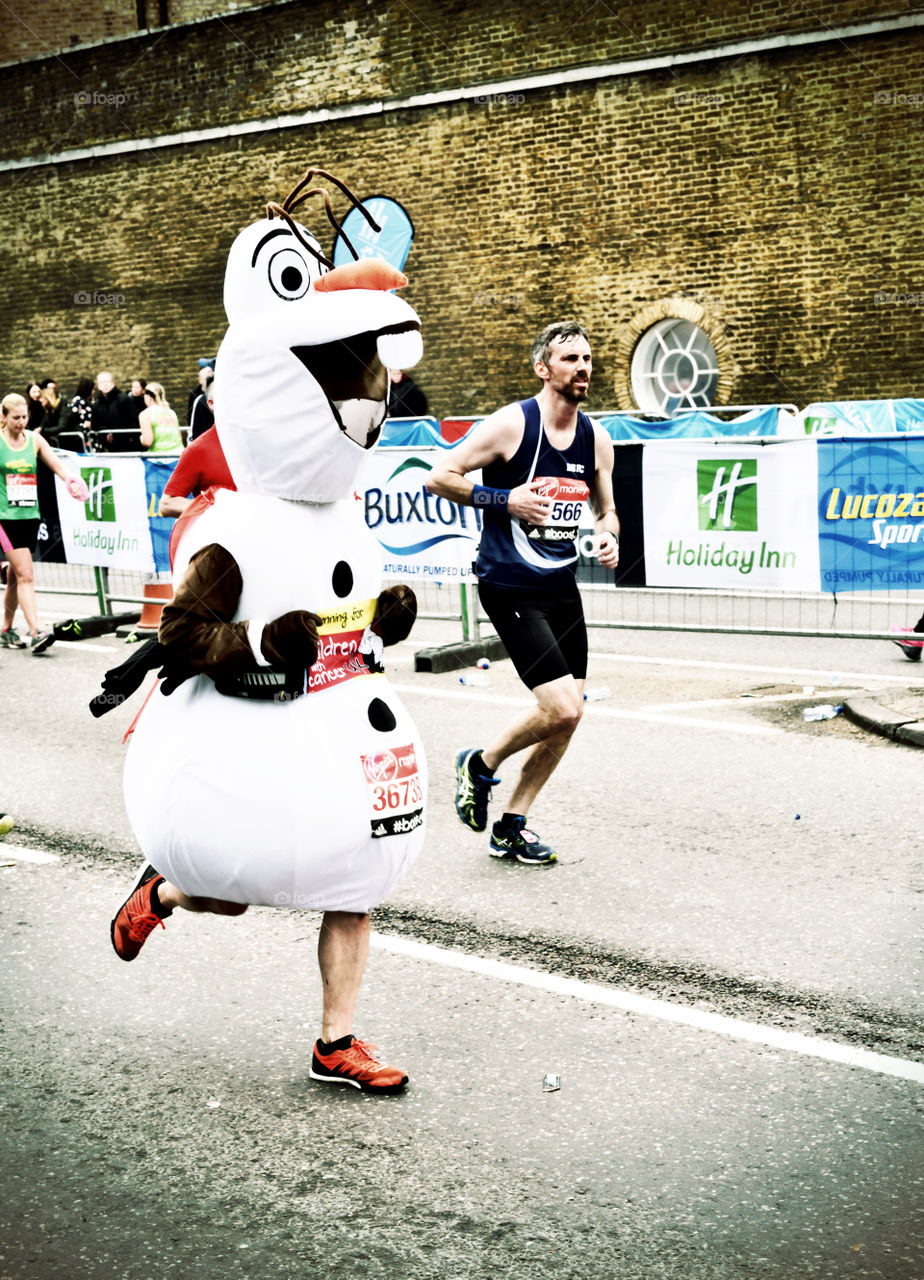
261 802
317 802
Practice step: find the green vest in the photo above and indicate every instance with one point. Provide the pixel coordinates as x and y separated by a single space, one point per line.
18 480
167 438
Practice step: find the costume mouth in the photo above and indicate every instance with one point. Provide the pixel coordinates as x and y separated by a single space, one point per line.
350 370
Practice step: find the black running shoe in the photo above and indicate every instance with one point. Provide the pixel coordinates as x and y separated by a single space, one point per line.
517 841
473 792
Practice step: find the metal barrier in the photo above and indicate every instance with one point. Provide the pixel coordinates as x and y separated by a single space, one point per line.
607 607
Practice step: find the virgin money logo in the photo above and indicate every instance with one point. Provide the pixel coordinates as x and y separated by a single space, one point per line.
382 767
562 489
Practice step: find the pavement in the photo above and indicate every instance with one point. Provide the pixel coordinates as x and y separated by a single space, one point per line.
893 713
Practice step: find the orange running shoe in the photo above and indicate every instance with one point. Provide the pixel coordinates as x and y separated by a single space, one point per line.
355 1063
136 917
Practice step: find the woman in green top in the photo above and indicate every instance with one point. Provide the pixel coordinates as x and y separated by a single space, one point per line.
160 431
20 451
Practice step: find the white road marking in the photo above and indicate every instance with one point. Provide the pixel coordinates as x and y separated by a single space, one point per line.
594 709
85 644
822 675
27 855
629 1002
749 700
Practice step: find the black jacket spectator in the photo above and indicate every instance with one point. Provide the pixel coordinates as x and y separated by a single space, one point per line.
113 422
405 399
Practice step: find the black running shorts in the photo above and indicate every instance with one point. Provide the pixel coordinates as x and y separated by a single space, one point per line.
543 631
22 533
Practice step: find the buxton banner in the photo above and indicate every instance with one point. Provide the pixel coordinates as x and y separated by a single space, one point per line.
719 514
421 536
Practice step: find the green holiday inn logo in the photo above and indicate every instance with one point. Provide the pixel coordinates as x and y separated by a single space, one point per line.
727 494
100 504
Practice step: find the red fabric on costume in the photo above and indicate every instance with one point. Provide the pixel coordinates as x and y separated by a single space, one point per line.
202 464
190 516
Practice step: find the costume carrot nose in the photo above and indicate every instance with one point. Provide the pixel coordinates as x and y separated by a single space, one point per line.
367 273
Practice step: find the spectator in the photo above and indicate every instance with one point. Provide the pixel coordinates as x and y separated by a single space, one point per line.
76 425
36 408
202 416
54 407
111 417
206 371
202 466
159 428
137 398
405 398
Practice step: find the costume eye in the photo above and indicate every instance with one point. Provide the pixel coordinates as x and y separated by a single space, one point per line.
289 276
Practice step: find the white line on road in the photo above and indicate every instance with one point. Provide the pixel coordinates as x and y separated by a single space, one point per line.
611 713
820 675
629 1002
85 644
746 700
27 855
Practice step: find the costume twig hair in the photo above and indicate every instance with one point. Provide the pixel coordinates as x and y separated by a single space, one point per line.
298 195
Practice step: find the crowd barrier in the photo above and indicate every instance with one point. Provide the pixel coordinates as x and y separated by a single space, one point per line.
816 517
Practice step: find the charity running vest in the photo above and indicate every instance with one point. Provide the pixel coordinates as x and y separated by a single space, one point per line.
167 437
18 480
515 553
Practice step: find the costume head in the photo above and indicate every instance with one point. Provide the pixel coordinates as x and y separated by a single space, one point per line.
302 371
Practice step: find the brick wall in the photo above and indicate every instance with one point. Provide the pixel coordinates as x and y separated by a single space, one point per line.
773 190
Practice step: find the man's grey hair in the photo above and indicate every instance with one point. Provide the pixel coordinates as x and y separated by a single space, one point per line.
561 329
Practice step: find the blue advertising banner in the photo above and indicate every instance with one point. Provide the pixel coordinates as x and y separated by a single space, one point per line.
690 426
157 471
871 513
392 244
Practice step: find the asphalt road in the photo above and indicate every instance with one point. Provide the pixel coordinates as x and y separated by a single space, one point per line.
717 854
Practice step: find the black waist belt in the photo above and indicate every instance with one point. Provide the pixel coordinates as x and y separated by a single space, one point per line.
264 686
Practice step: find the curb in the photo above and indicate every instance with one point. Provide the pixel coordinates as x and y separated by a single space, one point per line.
452 657
868 713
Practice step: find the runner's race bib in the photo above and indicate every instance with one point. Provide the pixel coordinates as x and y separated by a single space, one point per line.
569 498
395 793
21 490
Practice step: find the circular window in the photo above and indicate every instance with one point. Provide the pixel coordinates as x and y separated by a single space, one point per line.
674 366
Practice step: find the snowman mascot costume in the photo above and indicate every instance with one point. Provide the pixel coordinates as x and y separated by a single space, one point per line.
274 765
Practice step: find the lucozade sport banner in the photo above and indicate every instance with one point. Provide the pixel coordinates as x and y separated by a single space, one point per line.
871 513
731 514
111 527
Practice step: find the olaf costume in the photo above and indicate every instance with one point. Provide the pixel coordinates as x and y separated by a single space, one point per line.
314 801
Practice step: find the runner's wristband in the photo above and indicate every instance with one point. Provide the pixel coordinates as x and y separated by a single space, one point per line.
484 496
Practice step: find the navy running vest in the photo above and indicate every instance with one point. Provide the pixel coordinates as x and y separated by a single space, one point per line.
515 553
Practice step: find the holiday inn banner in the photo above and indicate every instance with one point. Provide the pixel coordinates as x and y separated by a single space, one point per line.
730 514
111 528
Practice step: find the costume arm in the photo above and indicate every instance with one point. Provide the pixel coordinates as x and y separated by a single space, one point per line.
196 628
198 635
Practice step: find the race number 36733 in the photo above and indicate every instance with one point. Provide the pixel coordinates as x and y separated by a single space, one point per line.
395 793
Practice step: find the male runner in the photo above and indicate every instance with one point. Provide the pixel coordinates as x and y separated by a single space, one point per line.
540 460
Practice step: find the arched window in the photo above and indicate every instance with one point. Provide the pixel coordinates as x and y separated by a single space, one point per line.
674 366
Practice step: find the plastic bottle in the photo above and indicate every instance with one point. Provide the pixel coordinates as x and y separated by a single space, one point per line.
595 695
483 664
825 711
476 677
